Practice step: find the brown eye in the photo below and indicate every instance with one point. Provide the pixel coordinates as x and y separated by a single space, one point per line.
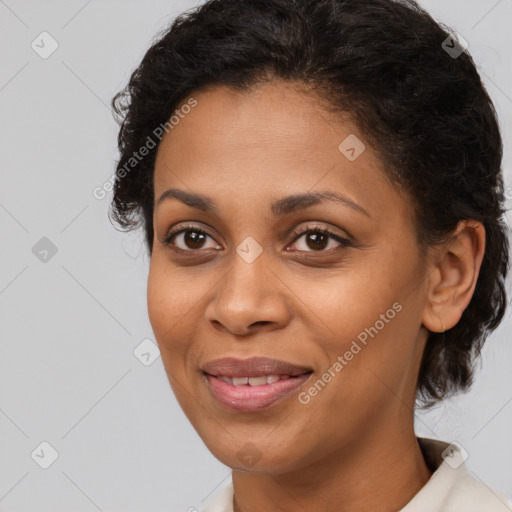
319 239
193 239
316 240
189 239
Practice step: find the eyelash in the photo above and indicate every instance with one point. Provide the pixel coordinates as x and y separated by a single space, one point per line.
344 242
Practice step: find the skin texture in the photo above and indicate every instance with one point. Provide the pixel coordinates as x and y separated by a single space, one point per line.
352 446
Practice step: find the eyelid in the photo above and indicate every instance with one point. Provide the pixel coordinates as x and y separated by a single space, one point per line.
322 229
172 233
344 241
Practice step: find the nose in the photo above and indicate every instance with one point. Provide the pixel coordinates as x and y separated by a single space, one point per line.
250 298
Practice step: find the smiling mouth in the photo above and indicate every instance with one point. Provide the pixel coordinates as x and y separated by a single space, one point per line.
252 394
252 381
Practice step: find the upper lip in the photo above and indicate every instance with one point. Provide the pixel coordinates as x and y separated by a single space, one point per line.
253 367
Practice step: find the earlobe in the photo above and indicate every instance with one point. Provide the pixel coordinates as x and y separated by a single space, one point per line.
453 280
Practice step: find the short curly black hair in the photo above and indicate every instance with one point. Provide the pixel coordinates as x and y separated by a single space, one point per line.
387 64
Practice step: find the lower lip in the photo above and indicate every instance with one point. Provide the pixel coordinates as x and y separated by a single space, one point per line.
253 398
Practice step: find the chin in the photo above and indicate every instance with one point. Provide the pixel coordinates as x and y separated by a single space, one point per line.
240 453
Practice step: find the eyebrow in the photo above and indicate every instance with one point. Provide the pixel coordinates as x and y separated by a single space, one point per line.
280 207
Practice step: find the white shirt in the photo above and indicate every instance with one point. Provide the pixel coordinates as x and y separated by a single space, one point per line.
450 488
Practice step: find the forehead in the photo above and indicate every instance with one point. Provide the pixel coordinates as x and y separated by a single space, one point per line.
275 116
272 141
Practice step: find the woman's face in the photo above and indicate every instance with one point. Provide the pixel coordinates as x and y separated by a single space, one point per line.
253 277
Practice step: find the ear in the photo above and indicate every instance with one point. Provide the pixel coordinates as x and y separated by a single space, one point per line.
453 279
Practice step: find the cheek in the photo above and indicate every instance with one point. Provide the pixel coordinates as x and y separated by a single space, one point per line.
373 365
169 306
346 304
371 320
170 303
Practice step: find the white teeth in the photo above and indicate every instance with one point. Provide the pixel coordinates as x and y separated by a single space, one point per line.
252 381
257 381
240 381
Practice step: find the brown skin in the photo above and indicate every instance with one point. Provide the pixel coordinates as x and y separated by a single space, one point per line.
353 446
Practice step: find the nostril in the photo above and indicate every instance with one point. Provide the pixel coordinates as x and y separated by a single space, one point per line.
262 322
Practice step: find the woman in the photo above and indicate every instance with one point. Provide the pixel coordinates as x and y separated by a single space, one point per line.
320 187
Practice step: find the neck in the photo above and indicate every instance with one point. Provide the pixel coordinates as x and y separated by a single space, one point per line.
379 471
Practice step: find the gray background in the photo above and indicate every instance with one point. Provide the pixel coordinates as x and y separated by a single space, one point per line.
69 326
